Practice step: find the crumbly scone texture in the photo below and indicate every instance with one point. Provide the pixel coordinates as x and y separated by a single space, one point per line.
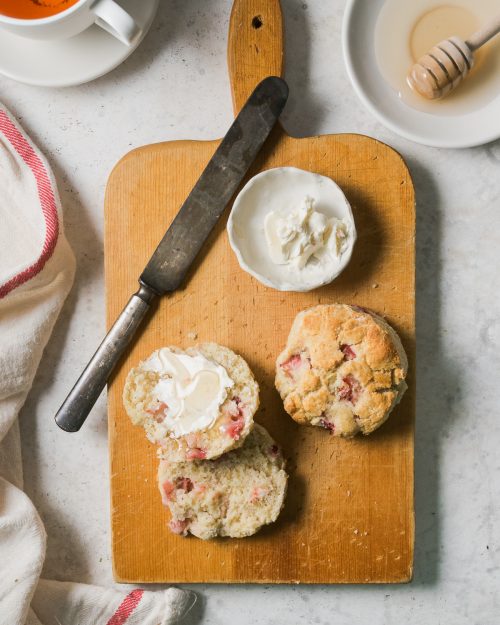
234 495
232 426
343 369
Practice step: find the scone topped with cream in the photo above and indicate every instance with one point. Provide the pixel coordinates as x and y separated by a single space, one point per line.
343 369
195 404
292 229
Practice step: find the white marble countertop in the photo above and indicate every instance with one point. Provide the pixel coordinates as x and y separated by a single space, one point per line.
175 86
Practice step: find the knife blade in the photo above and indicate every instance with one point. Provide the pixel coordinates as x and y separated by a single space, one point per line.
182 242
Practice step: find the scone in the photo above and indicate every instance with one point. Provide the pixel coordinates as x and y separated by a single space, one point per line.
343 369
194 404
234 495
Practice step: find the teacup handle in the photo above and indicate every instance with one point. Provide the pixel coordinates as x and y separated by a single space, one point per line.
116 21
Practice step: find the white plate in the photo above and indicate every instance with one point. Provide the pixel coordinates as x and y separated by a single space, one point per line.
457 131
67 62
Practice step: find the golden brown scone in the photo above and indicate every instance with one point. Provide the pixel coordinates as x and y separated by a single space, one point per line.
343 369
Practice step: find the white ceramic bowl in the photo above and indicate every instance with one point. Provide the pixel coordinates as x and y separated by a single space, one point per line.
457 131
282 189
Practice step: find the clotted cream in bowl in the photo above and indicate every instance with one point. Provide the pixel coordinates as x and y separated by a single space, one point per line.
292 229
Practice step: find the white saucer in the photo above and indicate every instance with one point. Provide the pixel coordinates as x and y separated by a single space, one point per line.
67 62
457 131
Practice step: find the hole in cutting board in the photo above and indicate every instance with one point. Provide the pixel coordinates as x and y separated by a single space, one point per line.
257 22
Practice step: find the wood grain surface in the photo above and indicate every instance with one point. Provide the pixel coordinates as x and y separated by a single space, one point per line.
349 512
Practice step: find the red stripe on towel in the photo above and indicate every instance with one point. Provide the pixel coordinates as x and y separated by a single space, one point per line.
47 202
126 607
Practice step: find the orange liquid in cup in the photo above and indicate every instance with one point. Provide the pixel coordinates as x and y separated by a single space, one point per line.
34 9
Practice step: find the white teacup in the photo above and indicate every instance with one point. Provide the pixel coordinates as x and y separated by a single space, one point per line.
75 19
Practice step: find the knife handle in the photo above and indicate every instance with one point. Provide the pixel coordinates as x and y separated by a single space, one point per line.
80 400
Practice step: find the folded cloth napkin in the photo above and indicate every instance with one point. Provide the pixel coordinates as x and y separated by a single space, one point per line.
36 273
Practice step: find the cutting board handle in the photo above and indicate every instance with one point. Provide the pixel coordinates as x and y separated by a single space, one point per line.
255 46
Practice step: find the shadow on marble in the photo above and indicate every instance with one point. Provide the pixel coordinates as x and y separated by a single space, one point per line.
67 557
437 378
196 614
304 113
492 150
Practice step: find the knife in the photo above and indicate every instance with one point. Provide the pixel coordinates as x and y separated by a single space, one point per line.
180 245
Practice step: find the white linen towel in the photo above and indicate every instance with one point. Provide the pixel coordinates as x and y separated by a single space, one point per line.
36 273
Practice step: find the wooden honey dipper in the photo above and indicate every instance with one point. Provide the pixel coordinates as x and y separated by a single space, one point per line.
444 67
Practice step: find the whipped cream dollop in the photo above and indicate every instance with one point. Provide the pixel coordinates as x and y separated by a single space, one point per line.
303 234
190 391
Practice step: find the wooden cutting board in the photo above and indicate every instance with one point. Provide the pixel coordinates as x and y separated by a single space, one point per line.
349 511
